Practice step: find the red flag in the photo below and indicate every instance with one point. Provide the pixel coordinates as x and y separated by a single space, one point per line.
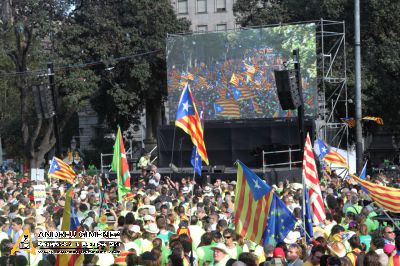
312 183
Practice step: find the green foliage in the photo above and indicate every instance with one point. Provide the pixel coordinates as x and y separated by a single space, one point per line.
36 32
100 30
379 43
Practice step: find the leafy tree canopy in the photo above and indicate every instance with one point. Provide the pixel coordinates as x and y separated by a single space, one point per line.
129 38
379 43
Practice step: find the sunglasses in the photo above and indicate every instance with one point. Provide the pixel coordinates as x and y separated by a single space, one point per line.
227 237
389 232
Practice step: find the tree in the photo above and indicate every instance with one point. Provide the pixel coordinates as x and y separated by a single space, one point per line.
27 38
132 34
379 42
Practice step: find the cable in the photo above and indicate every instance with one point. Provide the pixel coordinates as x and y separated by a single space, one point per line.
76 66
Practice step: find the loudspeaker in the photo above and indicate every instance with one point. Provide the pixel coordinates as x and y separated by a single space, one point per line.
288 91
43 101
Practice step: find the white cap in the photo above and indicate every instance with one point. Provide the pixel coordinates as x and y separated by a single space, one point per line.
149 218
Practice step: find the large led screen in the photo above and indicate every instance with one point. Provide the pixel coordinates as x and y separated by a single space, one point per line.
231 74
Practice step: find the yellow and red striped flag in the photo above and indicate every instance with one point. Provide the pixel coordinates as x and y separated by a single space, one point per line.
70 223
188 120
234 80
385 197
260 215
377 120
256 106
331 156
311 181
349 121
227 108
59 169
250 69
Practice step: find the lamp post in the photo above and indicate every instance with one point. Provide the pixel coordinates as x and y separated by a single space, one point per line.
359 148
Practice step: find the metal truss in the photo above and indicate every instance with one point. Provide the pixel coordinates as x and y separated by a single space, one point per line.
332 82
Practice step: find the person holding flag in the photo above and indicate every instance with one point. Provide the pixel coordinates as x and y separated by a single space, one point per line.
120 166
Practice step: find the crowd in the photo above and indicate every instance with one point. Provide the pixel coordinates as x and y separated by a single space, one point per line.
184 222
211 83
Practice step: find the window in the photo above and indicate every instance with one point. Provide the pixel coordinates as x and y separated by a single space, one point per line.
202 28
182 6
221 27
220 5
201 6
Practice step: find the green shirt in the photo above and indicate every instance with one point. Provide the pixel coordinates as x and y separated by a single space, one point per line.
204 254
165 252
164 236
366 239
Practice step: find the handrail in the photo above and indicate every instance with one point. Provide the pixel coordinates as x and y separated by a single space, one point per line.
289 151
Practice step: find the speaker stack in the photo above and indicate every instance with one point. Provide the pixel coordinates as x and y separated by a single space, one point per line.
288 91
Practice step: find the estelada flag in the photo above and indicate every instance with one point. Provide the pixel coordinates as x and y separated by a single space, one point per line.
188 120
59 169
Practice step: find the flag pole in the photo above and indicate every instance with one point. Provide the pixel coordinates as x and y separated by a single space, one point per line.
304 208
304 200
194 176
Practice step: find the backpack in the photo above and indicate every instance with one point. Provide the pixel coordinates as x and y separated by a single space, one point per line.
359 257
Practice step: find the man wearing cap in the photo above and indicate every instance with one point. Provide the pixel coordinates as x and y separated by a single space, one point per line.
151 233
221 256
148 219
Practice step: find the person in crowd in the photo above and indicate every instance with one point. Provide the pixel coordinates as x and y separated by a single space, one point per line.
294 255
388 235
315 257
234 250
395 259
221 255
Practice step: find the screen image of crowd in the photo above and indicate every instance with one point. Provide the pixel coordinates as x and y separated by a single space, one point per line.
238 82
191 222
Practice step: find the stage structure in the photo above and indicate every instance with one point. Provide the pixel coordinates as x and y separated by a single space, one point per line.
231 75
332 82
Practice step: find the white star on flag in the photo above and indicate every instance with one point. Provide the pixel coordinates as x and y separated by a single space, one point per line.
186 106
256 185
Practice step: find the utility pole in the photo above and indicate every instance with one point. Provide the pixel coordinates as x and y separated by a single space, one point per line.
56 130
359 147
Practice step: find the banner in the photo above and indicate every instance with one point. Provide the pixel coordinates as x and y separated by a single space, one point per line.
39 193
37 174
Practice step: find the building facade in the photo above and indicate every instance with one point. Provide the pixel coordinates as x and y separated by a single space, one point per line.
206 15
